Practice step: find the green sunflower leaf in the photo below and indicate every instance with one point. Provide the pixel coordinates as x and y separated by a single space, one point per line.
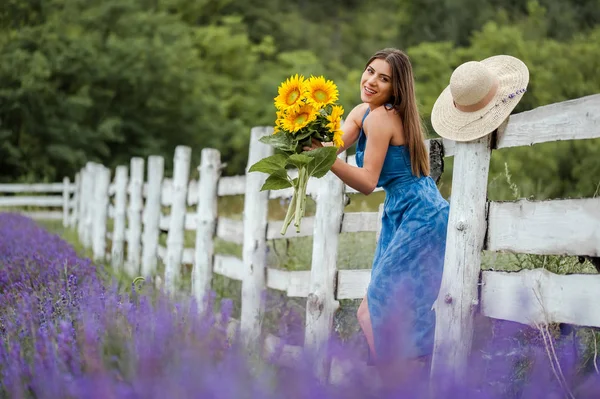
280 141
277 181
299 160
270 164
303 134
324 157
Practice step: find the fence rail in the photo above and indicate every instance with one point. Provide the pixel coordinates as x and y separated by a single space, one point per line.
135 197
19 198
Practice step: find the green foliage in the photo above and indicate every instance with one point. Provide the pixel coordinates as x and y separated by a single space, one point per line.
105 80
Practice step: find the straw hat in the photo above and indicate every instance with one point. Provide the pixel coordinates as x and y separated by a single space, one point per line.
481 95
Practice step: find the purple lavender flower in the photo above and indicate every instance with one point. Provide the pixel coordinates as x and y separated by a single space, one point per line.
67 333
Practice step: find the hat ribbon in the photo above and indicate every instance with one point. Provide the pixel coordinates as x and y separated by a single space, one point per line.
481 103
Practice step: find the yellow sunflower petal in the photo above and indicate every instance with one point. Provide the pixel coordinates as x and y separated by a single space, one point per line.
299 117
291 92
321 92
337 139
335 118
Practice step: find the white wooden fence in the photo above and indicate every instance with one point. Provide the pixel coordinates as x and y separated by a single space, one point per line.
554 227
19 197
135 200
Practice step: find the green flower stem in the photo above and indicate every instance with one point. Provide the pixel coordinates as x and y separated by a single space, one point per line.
290 213
301 199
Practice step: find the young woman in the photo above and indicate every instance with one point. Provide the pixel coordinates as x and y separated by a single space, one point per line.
396 314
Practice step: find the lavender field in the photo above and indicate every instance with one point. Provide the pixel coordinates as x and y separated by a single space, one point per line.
69 330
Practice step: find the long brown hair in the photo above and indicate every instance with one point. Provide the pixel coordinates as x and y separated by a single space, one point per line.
404 101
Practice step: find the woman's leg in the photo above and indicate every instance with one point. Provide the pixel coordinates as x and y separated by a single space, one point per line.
364 319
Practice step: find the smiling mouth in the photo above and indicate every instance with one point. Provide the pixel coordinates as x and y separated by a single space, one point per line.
369 91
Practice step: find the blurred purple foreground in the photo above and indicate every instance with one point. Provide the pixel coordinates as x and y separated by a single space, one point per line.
66 334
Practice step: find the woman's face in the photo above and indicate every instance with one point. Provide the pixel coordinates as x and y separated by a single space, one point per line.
376 83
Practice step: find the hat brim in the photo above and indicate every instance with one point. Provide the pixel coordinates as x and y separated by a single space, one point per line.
453 124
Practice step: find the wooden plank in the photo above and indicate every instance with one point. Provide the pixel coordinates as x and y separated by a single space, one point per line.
66 201
321 303
353 284
189 223
229 266
119 214
35 188
284 354
568 120
278 279
230 230
192 192
354 222
449 148
166 192
187 256
556 227
42 215
151 215
231 185
299 284
175 236
294 282
345 367
538 296
39 200
75 202
163 222
87 189
134 216
306 229
458 295
161 252
206 222
100 209
254 247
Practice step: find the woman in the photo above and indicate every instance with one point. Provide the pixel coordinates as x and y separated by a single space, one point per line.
396 314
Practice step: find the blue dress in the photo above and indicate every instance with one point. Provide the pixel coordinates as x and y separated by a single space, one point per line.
409 258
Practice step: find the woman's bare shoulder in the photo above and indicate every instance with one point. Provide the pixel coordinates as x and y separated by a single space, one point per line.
382 116
357 113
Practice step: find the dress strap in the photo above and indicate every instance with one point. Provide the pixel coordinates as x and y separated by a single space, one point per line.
364 116
361 136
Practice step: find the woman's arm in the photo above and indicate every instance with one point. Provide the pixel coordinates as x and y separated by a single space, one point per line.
352 126
365 179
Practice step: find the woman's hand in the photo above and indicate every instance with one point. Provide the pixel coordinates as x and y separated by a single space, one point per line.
315 144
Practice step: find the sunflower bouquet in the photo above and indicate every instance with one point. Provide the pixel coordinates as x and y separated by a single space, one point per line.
306 109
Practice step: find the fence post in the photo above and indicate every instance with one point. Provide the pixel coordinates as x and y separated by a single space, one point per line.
134 216
89 204
458 296
321 303
206 223
74 217
81 200
254 248
118 237
100 212
175 237
151 215
66 200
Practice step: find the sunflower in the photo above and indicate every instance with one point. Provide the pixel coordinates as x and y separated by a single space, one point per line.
279 121
334 125
335 118
337 138
291 92
298 117
321 92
